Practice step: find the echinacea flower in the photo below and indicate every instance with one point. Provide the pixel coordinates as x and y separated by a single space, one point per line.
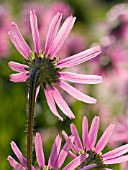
56 159
92 149
49 67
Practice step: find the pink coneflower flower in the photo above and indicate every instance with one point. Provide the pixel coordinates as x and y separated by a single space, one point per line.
48 66
56 159
94 151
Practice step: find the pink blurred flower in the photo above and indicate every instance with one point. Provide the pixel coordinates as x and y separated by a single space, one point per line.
49 66
120 134
56 158
5 19
94 152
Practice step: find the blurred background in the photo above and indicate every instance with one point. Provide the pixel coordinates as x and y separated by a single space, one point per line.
103 22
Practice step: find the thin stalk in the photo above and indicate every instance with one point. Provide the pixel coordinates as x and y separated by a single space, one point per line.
31 105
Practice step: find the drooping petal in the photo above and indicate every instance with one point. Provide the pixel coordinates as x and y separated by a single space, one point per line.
12 162
76 162
20 40
64 152
85 133
80 57
17 45
35 32
17 66
104 139
51 103
74 148
93 132
52 33
39 151
18 153
76 93
61 103
116 152
88 167
116 160
37 92
62 35
76 135
19 77
55 152
80 78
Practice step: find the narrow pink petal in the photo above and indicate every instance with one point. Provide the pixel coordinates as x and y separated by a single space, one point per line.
62 35
64 152
16 32
77 140
19 77
37 92
76 93
55 152
39 151
93 132
18 153
35 32
116 152
74 148
104 139
19 167
17 66
88 167
76 162
116 160
52 32
61 103
17 45
80 78
85 133
12 162
51 103
72 155
80 57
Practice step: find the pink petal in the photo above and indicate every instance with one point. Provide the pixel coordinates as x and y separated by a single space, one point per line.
52 32
19 77
76 162
85 133
51 103
76 93
104 138
77 138
39 151
74 148
71 155
116 152
62 35
80 57
116 160
12 162
93 132
88 167
61 103
80 78
35 32
18 153
20 40
17 66
64 152
55 152
17 45
37 92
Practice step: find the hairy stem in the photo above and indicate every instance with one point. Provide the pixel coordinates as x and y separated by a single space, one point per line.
31 105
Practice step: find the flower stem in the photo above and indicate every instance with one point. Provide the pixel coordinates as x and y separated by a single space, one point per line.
31 105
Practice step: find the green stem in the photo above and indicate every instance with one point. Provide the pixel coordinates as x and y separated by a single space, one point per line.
31 105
